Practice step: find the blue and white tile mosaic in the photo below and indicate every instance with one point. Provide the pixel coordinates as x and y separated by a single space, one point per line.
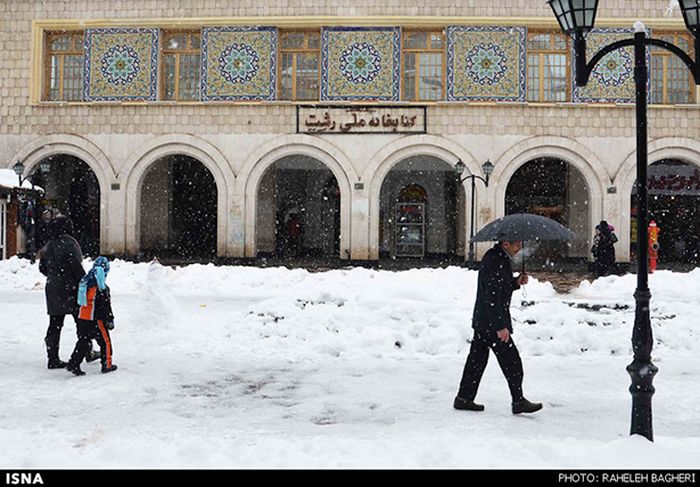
360 63
239 63
485 63
120 64
612 79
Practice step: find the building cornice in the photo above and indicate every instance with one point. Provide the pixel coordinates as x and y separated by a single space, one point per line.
331 21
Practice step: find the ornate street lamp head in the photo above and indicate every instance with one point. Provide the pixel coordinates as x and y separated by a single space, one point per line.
487 167
575 17
18 168
691 15
460 167
45 166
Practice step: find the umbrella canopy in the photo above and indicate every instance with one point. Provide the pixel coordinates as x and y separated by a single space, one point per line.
523 226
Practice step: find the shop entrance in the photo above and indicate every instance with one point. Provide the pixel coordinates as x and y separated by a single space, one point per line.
298 210
178 209
421 211
674 204
555 189
71 189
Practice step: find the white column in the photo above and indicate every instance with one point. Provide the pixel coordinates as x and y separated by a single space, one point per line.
359 226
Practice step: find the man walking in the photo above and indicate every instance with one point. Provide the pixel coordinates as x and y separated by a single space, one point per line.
493 329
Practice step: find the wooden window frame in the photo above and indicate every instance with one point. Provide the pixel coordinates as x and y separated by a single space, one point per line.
543 52
665 56
177 52
430 50
76 50
294 51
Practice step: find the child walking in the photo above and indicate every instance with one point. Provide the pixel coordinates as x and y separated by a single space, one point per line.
95 318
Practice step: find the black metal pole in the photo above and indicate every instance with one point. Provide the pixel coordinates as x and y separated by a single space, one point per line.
581 67
471 231
642 370
696 72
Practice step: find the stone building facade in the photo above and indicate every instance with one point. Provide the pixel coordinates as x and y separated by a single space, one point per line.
240 139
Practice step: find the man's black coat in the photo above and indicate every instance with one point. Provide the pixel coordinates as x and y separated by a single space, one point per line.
61 263
495 288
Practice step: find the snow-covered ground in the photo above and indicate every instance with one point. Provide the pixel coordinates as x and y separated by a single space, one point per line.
226 367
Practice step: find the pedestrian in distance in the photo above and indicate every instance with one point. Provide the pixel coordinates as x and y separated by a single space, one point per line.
95 318
493 330
603 250
60 260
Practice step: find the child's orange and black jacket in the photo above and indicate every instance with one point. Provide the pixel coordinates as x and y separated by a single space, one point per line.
98 307
99 311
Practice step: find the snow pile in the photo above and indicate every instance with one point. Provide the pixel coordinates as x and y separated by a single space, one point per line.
223 367
368 313
9 179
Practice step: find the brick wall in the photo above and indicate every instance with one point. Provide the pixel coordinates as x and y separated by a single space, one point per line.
17 117
44 9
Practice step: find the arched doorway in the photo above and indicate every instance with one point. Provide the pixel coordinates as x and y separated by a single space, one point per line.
178 211
298 210
674 204
70 188
421 210
558 190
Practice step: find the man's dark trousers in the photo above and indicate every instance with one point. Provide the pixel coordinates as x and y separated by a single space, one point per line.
507 356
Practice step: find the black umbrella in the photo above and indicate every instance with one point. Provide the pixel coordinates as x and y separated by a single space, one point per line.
525 227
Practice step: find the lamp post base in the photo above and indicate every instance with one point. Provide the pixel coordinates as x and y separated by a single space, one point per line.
642 374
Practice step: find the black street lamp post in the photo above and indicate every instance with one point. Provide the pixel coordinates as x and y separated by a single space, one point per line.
576 18
460 167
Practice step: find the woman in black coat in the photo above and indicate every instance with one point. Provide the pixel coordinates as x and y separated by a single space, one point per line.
603 250
61 262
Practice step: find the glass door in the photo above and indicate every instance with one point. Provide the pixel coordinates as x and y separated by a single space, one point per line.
410 230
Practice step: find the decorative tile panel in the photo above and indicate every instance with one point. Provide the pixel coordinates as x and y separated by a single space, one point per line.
239 63
360 63
120 64
486 63
612 79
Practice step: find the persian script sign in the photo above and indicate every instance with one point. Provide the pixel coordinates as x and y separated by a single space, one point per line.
389 119
673 180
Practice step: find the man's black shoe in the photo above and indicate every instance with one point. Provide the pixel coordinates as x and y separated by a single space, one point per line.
466 405
57 364
525 406
74 370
